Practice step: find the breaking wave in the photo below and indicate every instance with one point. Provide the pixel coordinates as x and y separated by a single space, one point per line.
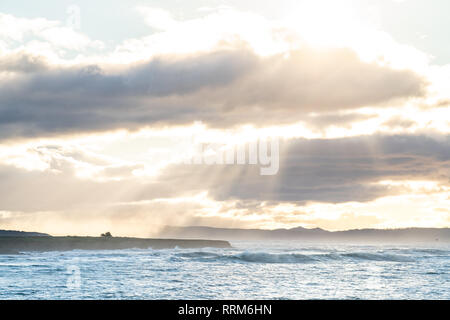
266 257
263 257
378 257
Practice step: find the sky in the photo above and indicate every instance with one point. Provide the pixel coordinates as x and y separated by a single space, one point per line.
104 105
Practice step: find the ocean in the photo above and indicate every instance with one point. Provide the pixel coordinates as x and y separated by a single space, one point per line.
248 270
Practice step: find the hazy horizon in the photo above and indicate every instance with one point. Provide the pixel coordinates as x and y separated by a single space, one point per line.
162 229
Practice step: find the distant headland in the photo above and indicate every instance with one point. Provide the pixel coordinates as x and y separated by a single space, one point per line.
14 233
353 236
13 242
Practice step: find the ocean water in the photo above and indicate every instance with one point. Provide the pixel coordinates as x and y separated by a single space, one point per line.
248 270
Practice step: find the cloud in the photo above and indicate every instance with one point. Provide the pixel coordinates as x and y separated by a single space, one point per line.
322 121
32 33
22 62
225 69
398 122
222 89
315 80
157 18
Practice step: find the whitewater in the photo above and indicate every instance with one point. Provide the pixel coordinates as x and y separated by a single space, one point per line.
248 270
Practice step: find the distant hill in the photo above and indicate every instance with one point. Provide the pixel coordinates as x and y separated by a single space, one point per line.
361 235
13 233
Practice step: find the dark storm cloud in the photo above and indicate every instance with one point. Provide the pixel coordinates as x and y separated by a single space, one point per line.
333 171
222 89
